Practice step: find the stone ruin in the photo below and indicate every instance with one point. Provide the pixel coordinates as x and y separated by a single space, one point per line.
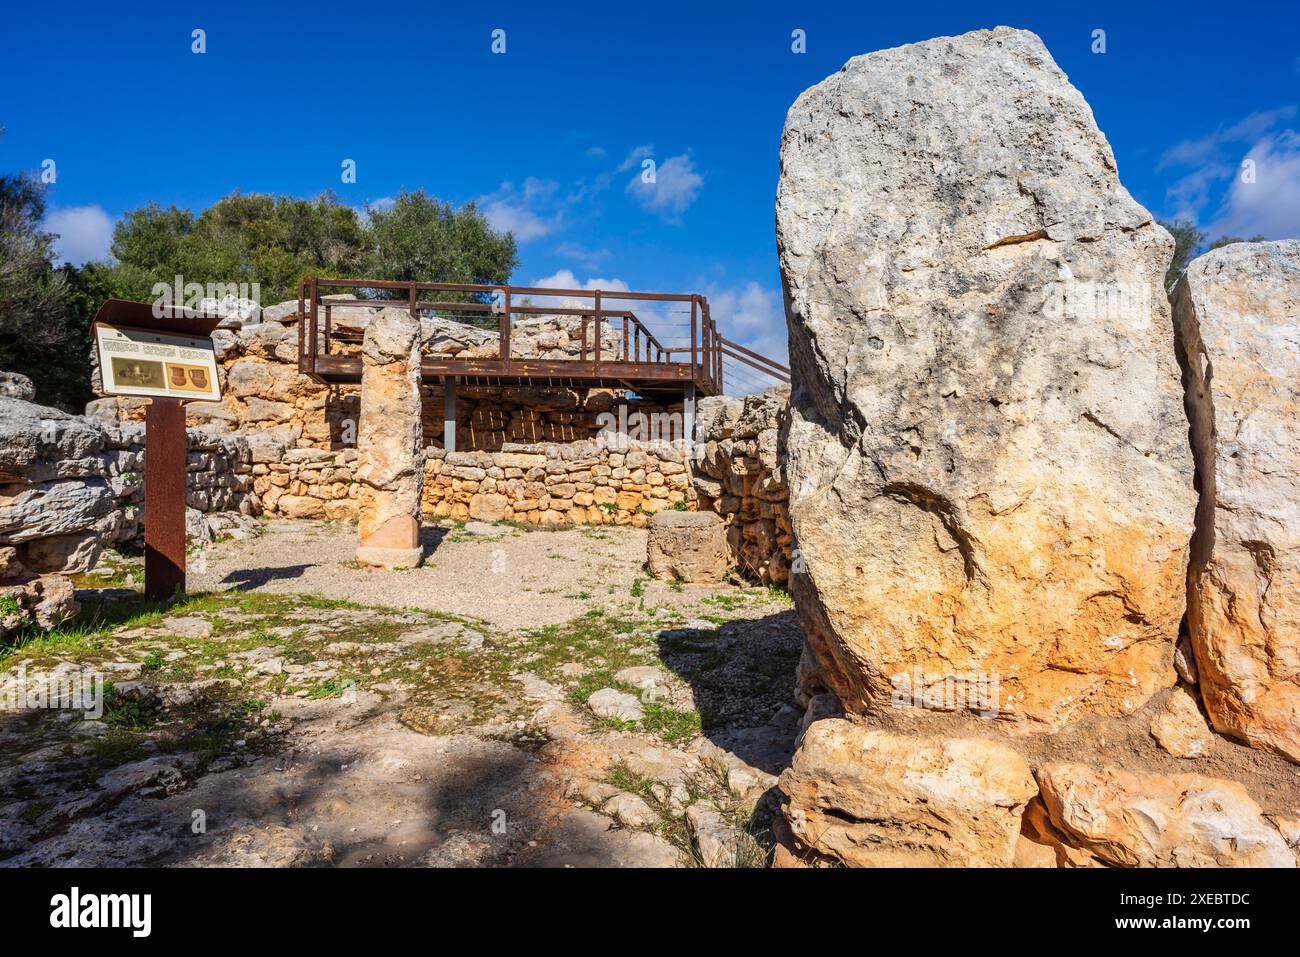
994 489
69 485
1027 508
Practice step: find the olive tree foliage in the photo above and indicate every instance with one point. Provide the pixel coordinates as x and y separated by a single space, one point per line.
44 333
275 240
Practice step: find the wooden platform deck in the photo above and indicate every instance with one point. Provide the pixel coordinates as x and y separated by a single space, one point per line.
641 363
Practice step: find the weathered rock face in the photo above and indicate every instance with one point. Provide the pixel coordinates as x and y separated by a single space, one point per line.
1236 311
876 799
987 454
1145 820
390 445
687 546
57 495
42 602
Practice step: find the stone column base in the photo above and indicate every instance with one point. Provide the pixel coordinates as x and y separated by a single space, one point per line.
390 558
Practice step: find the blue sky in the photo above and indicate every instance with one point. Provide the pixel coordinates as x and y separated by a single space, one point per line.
549 136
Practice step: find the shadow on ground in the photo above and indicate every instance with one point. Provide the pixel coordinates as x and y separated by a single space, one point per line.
742 676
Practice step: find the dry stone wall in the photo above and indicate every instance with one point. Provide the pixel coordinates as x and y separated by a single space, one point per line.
69 485
584 483
738 473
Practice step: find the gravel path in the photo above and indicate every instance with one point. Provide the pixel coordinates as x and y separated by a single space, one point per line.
499 574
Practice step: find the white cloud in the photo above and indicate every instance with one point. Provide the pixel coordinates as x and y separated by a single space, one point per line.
596 152
1191 152
85 233
1213 160
1269 206
635 156
753 316
675 186
566 279
528 213
591 258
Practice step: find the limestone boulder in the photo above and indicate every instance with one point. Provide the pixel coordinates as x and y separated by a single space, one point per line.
40 443
1236 311
15 385
873 798
49 509
1180 728
43 603
1147 820
987 452
687 546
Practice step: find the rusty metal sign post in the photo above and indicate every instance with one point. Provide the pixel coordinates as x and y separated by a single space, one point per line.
166 355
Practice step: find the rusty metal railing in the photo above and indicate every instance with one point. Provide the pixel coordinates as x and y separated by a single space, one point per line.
700 362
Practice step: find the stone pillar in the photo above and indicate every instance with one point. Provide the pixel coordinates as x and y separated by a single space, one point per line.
390 446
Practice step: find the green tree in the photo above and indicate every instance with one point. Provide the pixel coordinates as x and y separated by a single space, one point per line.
256 238
275 240
41 335
422 238
1187 241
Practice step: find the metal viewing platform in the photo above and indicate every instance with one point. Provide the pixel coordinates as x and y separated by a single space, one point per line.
616 348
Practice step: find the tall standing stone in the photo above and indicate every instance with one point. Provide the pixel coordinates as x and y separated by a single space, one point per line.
988 463
390 463
1238 315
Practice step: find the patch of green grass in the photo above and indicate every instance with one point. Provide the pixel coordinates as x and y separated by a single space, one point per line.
152 661
9 606
119 747
775 593
618 724
330 688
130 714
670 724
625 779
605 643
637 589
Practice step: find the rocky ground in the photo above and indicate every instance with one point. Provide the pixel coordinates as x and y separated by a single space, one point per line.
526 698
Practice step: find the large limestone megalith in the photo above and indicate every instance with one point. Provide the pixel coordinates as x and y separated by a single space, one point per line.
390 457
988 464
1237 310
